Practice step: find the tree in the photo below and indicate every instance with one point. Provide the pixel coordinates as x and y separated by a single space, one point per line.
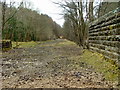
4 7
74 14
3 14
91 16
28 25
0 21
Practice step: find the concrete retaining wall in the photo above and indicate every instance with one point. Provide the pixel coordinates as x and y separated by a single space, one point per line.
104 35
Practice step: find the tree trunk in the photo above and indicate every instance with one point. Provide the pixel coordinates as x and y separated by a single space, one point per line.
3 14
91 18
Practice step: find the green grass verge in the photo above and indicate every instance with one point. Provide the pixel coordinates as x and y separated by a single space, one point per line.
100 64
24 44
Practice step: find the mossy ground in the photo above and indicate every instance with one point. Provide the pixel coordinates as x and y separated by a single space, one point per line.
24 44
100 64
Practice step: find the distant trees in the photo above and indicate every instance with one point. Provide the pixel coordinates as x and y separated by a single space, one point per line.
75 26
23 24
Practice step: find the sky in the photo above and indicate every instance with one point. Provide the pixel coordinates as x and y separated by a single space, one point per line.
49 8
46 7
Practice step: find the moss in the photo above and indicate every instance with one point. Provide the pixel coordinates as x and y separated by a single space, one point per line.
110 27
66 43
99 63
25 44
5 49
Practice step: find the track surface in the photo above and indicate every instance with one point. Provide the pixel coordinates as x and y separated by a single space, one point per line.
49 65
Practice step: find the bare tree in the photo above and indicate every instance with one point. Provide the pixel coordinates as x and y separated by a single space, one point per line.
74 11
4 18
3 14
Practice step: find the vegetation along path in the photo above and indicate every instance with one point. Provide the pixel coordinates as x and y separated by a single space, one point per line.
55 64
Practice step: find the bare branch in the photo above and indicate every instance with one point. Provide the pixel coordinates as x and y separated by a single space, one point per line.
13 14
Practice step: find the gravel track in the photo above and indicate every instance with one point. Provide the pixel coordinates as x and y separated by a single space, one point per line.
49 65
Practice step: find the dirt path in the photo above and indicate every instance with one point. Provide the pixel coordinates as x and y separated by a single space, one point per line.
49 65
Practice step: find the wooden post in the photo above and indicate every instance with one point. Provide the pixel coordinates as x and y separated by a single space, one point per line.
6 45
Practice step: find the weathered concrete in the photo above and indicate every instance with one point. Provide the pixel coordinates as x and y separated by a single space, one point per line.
104 35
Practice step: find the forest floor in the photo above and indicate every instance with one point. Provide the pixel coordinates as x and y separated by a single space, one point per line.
56 64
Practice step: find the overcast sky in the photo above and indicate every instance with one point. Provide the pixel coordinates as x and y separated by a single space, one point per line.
46 7
49 8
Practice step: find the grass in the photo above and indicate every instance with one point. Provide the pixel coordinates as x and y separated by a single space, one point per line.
66 43
52 43
100 64
25 44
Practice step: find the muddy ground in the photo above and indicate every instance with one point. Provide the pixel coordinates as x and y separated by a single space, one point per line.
49 65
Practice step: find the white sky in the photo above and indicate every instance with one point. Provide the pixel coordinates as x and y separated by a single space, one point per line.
46 7
49 8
